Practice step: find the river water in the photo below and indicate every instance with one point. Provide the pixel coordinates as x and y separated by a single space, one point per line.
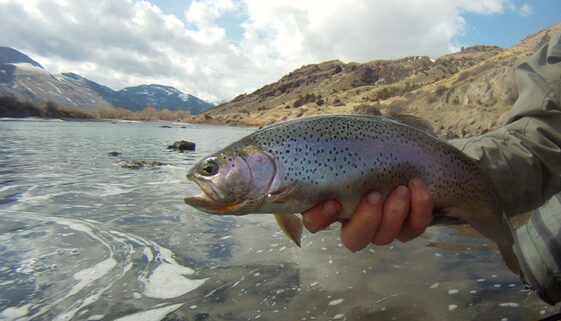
86 237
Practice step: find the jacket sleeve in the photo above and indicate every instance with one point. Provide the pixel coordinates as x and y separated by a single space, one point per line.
523 158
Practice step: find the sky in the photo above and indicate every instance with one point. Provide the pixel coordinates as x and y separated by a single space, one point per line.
218 49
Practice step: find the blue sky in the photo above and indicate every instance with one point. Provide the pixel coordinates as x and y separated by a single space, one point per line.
508 29
218 49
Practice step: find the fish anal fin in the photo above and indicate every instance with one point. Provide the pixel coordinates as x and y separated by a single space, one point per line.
291 225
282 194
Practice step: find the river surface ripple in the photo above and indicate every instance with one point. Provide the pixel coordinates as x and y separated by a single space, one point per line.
83 237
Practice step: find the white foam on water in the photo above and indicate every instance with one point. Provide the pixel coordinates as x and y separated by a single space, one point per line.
509 305
336 302
152 315
148 253
238 282
168 281
110 190
7 188
27 197
163 277
14 313
87 276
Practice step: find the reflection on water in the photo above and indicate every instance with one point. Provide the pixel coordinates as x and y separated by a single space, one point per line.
85 239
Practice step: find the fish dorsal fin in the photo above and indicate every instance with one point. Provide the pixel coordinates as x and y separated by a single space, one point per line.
291 225
415 121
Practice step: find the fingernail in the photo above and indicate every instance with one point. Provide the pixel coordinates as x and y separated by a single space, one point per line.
329 210
417 183
402 191
374 198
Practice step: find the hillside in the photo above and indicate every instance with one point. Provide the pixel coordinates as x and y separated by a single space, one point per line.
462 94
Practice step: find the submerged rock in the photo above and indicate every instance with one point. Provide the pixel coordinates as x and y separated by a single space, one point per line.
113 154
138 164
182 145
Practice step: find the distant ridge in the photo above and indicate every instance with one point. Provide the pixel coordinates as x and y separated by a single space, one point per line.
70 90
163 97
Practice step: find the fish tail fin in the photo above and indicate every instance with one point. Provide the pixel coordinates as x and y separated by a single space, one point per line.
510 258
496 226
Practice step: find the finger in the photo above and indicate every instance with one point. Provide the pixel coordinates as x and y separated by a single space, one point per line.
321 216
361 228
420 214
396 209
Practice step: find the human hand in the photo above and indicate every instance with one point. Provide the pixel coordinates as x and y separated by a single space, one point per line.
404 215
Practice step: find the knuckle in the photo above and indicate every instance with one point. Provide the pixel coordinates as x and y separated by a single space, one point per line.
397 208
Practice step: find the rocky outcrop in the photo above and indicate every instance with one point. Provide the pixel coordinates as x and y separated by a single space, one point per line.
461 94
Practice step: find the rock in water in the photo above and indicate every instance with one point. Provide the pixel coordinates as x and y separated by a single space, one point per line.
182 145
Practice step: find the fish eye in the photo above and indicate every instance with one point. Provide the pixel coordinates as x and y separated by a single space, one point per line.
209 168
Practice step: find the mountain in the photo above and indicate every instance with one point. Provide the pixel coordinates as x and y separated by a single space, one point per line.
29 83
10 56
461 94
163 97
26 80
111 96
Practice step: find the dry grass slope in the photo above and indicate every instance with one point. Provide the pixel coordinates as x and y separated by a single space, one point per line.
461 94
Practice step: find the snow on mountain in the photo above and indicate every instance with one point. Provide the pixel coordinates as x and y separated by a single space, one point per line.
12 56
164 97
25 79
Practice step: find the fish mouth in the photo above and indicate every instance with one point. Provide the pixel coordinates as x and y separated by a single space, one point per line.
210 200
203 202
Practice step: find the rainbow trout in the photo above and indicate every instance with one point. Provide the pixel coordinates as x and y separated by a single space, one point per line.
291 166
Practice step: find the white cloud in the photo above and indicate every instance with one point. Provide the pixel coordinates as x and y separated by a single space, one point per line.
122 43
526 10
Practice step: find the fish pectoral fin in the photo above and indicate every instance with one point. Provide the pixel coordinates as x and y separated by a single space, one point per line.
291 225
282 194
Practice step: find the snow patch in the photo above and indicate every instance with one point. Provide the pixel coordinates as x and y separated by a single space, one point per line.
29 67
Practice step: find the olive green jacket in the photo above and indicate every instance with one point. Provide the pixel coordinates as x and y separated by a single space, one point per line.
523 158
